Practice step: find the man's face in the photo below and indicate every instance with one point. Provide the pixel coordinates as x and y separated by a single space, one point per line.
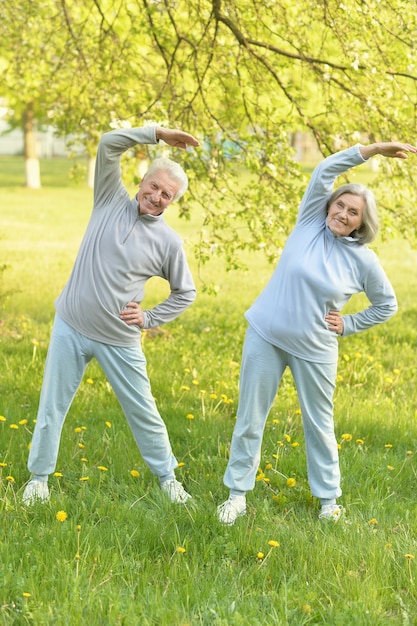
156 192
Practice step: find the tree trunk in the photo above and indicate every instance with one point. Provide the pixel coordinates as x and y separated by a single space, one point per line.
32 169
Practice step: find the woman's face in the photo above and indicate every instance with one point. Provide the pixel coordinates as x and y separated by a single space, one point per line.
345 214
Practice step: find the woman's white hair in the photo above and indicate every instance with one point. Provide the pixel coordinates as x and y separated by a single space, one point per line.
368 230
174 171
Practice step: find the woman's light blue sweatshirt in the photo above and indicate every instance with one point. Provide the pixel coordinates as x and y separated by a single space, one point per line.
318 272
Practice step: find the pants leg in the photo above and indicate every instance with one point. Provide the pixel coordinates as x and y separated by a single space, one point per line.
125 368
262 368
315 384
64 368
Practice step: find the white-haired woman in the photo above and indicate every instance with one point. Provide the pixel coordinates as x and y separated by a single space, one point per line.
297 318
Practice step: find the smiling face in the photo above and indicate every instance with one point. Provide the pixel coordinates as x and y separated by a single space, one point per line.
345 214
156 192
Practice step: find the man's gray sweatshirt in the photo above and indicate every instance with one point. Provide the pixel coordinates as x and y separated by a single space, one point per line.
120 251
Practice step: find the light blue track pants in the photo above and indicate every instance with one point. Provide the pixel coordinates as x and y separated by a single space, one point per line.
125 368
263 366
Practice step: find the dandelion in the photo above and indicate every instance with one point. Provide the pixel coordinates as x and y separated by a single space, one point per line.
357 355
108 424
291 482
373 521
14 426
195 382
2 418
57 474
61 516
396 371
185 388
306 608
260 476
25 594
3 464
360 442
102 468
267 480
388 545
10 479
388 446
203 392
287 438
347 437
213 396
83 427
81 446
134 473
390 468
181 550
84 460
90 381
297 412
23 422
409 452
78 527
410 557
389 380
268 466
77 429
189 416
339 378
181 464
346 357
275 421
84 478
295 444
273 543
260 556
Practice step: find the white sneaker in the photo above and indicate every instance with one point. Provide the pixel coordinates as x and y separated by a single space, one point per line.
36 491
175 491
229 511
331 512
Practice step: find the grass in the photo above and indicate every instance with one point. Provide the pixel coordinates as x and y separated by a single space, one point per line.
123 555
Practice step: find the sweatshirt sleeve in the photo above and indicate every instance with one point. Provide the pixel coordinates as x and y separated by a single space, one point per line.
381 295
313 205
182 291
107 176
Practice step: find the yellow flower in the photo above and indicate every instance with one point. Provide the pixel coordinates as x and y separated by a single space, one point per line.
25 594
108 424
77 429
390 467
23 422
181 464
189 416
195 382
267 480
339 378
14 426
275 421
81 446
260 476
102 468
268 466
409 452
61 516
291 482
273 543
347 437
58 474
359 441
134 473
3 464
396 371
297 412
373 522
2 418
287 438
185 388
213 396
295 444
203 392
388 445
84 460
409 556
181 550
78 528
90 381
346 357
260 555
10 479
306 608
357 355
84 478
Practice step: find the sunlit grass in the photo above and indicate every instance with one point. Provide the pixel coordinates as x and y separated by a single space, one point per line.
108 549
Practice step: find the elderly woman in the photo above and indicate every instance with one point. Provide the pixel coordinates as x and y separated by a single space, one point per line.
296 320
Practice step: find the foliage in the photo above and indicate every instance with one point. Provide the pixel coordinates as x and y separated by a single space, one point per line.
243 76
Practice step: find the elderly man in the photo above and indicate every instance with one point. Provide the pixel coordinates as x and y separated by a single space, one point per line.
99 314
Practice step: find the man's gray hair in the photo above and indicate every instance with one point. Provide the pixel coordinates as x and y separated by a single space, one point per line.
368 230
174 170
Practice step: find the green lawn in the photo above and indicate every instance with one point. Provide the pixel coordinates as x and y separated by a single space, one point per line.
123 555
